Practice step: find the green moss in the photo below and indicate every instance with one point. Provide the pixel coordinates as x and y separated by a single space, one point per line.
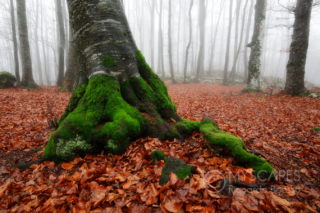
186 127
64 87
248 90
69 149
221 139
74 100
158 94
157 155
36 150
317 129
33 86
7 80
178 167
109 62
101 103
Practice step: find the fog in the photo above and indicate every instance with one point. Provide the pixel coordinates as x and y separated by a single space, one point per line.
275 55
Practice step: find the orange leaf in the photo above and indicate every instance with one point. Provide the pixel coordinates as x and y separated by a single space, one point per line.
67 166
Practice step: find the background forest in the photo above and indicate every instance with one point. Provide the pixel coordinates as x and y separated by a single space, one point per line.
143 16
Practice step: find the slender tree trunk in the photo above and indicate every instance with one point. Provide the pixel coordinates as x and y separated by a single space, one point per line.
245 54
45 67
27 76
178 46
256 45
160 37
170 43
215 37
70 74
15 42
61 43
202 24
265 46
153 11
37 45
233 71
188 47
299 48
225 72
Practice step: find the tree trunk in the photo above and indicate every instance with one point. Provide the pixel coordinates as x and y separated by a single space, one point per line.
233 71
43 48
188 47
225 72
170 43
299 48
61 43
37 45
153 12
27 76
126 102
15 42
253 83
202 24
70 75
215 37
160 35
178 45
245 54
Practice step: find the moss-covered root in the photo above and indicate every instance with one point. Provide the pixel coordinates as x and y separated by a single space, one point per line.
248 90
157 155
101 120
219 139
178 167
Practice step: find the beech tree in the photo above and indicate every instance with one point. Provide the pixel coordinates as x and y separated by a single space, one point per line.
123 98
61 43
15 42
26 64
253 82
299 48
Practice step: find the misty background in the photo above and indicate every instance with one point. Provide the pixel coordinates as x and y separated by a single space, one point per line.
42 26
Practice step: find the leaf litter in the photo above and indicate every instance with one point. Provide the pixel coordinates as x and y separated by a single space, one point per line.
279 127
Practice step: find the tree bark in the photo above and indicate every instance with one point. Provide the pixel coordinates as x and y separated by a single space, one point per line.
225 72
201 23
27 76
153 12
15 42
233 71
44 49
37 45
253 83
61 43
299 48
160 45
215 38
170 43
188 47
245 54
70 74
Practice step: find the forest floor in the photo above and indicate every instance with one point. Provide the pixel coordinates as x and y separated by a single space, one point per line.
280 127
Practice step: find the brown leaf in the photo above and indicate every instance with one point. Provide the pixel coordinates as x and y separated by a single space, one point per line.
173 205
67 166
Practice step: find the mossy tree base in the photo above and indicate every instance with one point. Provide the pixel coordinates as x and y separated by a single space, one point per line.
107 115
